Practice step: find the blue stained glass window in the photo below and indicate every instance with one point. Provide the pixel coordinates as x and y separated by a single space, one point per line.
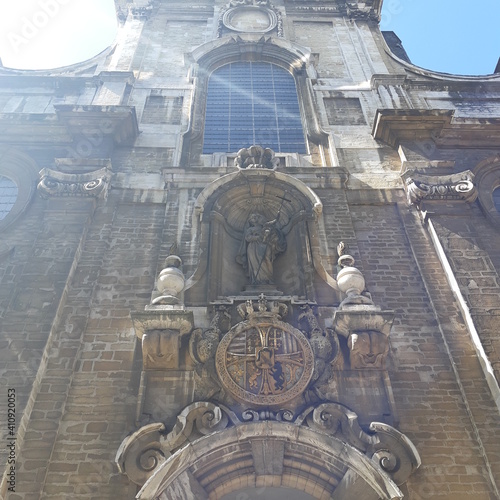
496 198
252 103
8 196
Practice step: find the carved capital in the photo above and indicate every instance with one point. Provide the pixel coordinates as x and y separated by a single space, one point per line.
178 320
91 184
456 187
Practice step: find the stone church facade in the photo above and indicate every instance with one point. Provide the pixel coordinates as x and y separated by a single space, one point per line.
249 251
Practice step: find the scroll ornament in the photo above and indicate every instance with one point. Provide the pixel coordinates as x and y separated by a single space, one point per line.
92 184
458 187
144 451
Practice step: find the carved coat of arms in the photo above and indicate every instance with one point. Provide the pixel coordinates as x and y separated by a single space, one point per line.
264 361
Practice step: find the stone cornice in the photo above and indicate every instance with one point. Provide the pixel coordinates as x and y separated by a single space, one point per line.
369 9
119 123
394 126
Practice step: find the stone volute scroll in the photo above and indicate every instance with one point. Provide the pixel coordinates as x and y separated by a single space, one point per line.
434 189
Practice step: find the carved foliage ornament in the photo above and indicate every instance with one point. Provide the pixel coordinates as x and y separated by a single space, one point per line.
256 157
458 187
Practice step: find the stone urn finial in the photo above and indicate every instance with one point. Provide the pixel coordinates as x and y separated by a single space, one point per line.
350 280
170 281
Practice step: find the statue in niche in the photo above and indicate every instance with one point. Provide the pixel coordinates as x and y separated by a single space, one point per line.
262 243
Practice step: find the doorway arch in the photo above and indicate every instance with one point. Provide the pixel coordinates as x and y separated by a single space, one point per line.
270 454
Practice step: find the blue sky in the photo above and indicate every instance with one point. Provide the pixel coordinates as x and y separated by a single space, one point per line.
453 36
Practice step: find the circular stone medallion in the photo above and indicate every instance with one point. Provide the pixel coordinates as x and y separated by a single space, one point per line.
250 19
264 361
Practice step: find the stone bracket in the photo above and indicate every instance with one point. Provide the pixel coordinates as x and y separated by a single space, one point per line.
438 188
160 329
89 184
367 331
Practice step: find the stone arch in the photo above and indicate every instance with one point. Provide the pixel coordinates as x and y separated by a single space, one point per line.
487 180
269 453
221 210
23 171
292 57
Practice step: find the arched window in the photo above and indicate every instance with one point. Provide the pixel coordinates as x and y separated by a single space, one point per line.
252 103
496 198
8 196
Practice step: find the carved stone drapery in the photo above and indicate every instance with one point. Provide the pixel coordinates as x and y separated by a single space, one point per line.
324 344
455 187
262 242
90 184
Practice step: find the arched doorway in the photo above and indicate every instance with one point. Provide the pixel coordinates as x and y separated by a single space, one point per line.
238 461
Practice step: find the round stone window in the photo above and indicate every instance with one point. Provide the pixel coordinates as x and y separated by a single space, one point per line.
8 196
250 19
496 199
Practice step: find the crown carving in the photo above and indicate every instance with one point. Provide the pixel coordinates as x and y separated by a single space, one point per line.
262 307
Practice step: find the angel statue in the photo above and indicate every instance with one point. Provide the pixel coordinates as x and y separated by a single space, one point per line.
262 243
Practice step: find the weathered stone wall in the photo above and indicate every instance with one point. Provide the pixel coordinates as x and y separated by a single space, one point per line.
74 269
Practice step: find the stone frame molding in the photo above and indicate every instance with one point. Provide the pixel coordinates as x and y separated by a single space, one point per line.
22 170
488 179
203 218
256 48
343 459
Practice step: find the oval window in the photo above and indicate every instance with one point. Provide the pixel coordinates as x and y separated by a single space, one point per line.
496 198
8 196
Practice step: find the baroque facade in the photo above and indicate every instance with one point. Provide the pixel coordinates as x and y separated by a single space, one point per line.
250 252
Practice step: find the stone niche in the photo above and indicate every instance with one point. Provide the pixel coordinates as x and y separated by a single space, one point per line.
281 203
